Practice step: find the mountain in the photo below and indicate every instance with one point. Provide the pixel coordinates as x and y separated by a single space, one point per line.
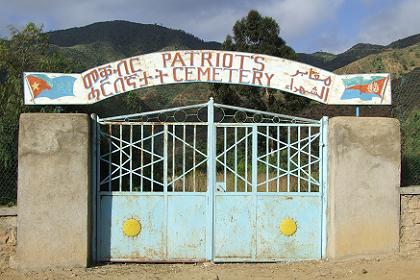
406 42
356 52
318 59
396 61
103 42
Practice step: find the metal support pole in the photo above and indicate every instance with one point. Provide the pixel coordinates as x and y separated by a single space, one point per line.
357 111
211 177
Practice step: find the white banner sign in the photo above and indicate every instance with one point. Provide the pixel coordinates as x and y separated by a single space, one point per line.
207 66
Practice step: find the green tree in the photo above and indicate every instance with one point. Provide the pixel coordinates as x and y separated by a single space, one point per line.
27 50
258 34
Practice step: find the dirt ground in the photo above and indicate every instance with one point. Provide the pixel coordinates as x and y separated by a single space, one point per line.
384 268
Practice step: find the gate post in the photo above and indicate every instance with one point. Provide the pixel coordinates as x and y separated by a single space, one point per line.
363 186
211 175
54 191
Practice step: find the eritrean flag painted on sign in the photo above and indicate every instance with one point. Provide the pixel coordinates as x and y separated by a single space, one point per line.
364 88
52 88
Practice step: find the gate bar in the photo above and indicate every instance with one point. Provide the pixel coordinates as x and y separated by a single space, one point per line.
152 112
254 189
211 176
265 113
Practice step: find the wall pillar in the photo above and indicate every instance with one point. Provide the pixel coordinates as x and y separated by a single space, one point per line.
363 187
53 191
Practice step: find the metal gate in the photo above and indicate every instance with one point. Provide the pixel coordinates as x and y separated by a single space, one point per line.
209 182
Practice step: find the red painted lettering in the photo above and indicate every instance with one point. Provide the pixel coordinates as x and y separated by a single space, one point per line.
257 77
188 73
133 70
242 75
175 75
178 59
90 78
166 57
227 60
216 73
242 58
160 75
206 56
259 60
230 73
269 77
201 73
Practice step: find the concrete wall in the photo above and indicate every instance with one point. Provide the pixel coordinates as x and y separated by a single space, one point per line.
364 177
410 219
53 191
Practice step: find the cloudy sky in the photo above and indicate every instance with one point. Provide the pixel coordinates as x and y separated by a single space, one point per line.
306 25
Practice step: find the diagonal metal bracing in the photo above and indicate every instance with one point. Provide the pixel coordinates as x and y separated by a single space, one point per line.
188 171
291 145
128 145
291 172
234 145
128 171
186 143
233 171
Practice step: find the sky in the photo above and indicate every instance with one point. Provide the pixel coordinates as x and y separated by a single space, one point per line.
306 25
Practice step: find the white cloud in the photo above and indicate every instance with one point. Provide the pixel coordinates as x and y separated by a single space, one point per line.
298 17
397 22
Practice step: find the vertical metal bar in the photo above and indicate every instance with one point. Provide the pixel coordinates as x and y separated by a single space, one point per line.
254 189
288 159
323 188
173 158
152 157
120 179
236 159
194 167
278 160
254 158
141 160
211 176
309 159
165 186
267 142
184 176
165 158
131 158
246 159
357 111
224 155
109 159
298 151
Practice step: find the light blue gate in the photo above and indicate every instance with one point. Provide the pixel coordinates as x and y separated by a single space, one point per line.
209 182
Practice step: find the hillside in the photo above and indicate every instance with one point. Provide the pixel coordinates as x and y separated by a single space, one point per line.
103 42
318 59
332 62
395 61
406 42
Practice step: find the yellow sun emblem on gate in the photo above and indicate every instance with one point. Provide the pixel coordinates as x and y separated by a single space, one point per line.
288 227
131 227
